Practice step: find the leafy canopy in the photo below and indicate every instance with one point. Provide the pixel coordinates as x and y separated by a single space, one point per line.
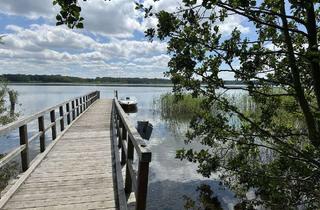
272 148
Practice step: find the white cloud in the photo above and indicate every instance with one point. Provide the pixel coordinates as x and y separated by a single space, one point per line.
49 49
232 22
39 37
112 18
42 48
32 9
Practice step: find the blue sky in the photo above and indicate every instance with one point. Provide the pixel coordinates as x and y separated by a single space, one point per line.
112 43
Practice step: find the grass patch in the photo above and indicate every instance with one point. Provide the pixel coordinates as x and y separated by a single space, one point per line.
177 107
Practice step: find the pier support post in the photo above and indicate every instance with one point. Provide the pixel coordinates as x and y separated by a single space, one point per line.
130 153
142 185
73 111
23 133
68 111
43 135
54 127
61 120
77 106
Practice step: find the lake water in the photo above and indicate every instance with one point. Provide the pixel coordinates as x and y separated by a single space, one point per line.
170 179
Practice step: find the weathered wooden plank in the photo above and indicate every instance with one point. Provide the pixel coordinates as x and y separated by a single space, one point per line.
55 195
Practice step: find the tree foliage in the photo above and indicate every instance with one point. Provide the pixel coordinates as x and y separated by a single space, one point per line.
8 100
7 115
273 149
69 13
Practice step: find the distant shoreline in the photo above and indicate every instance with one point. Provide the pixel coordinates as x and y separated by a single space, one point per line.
60 80
89 84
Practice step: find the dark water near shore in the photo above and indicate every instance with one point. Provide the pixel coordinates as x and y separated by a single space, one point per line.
169 179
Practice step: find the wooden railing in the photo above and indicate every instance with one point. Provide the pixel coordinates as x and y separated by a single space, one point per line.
78 105
129 141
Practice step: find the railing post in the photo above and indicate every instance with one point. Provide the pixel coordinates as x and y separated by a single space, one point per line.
43 135
80 104
123 136
116 94
73 111
77 105
84 103
23 133
61 120
142 185
118 119
54 127
87 102
98 94
128 181
68 111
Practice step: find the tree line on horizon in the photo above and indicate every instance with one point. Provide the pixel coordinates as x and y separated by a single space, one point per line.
23 78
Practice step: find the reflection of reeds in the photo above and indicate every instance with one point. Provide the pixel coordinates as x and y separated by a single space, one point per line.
242 101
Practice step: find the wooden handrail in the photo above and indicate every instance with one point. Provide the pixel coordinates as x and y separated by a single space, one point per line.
129 140
21 124
14 125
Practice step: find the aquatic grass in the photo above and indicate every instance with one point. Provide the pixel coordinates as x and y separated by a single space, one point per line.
178 107
184 107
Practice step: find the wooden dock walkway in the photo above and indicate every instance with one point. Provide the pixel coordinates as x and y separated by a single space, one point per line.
81 168
78 170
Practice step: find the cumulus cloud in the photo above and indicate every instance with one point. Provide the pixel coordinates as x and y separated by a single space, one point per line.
32 9
52 47
110 18
113 18
232 22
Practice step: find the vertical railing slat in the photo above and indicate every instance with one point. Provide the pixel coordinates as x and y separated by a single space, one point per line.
61 120
68 111
43 135
142 185
77 106
84 103
80 99
130 153
73 110
23 133
123 137
54 127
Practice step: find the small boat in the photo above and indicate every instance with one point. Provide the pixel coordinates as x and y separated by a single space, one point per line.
145 128
128 101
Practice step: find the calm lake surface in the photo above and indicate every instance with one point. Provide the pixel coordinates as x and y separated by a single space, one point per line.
170 179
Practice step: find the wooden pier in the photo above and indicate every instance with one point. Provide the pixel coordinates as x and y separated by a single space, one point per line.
83 166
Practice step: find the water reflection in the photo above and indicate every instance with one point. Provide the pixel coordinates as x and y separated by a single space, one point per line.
130 109
170 179
188 190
